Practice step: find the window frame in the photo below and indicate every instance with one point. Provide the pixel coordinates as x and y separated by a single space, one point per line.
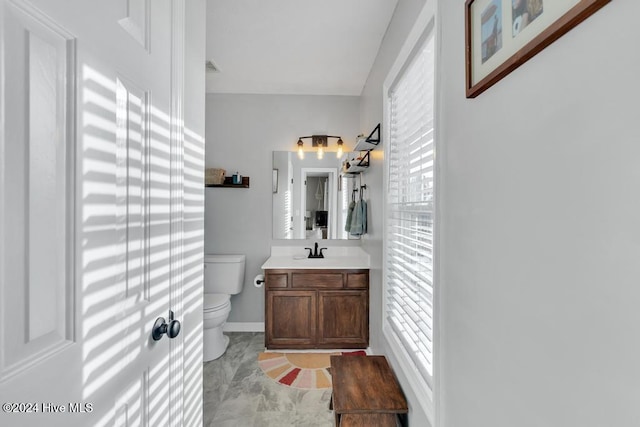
426 391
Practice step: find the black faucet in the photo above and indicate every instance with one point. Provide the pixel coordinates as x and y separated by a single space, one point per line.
313 253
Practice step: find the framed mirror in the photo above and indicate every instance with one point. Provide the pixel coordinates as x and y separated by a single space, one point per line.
311 196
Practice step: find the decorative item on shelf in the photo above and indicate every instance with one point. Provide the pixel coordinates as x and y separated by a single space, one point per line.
237 178
214 176
320 142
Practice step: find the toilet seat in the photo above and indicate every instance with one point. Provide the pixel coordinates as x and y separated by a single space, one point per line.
215 302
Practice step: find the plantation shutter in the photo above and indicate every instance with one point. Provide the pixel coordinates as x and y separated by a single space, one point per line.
410 209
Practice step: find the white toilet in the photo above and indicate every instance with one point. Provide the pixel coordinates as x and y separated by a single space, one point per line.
223 277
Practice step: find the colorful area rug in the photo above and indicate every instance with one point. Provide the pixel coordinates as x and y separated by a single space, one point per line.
300 370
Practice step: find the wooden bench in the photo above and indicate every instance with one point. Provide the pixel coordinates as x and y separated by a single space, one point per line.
368 420
365 388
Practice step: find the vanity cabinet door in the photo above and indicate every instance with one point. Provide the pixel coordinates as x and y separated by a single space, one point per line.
291 319
343 319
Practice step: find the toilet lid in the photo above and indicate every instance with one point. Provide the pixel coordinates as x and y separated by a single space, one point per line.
215 301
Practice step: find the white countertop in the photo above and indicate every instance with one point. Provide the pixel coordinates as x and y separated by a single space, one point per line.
337 257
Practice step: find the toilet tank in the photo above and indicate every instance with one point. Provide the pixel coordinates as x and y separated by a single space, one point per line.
223 274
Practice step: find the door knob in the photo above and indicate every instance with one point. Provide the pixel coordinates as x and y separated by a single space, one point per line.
161 327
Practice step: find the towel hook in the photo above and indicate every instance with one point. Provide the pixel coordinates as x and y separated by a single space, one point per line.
362 188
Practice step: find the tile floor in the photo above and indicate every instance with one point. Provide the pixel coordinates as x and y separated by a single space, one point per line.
238 394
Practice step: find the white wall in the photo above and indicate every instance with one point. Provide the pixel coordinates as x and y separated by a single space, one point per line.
371 113
241 133
542 231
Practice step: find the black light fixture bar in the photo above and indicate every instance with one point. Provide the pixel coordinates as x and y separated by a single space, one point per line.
320 140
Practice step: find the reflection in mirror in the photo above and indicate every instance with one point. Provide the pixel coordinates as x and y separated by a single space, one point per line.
311 197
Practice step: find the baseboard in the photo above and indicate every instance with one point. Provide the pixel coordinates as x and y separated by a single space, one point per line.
243 327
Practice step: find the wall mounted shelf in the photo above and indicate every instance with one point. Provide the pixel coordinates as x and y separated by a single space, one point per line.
369 143
356 166
363 145
228 183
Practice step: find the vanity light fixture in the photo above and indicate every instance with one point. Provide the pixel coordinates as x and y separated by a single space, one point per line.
321 143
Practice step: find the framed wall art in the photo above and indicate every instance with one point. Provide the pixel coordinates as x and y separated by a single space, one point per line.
501 35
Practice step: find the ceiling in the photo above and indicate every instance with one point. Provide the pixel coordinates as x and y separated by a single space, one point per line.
313 47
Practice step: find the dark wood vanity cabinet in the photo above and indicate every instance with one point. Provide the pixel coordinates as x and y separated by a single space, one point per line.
316 309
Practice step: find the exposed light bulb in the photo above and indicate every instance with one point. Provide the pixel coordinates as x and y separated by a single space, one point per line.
339 152
320 152
300 150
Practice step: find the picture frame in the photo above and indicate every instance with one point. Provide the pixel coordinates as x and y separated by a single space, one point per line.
274 182
501 35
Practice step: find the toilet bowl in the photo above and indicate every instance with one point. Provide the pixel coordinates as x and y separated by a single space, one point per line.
223 277
216 311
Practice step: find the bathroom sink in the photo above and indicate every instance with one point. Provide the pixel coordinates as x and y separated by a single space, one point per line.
341 257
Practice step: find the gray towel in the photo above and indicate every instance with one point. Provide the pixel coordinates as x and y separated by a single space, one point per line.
356 220
347 223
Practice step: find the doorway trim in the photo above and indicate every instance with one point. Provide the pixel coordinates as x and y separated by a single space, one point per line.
333 198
